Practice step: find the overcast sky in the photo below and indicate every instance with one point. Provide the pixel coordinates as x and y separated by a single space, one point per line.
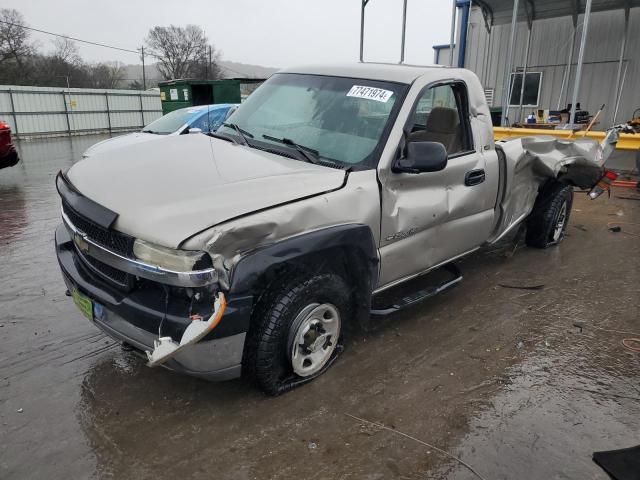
274 33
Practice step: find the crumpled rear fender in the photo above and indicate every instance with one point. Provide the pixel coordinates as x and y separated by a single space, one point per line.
578 162
528 163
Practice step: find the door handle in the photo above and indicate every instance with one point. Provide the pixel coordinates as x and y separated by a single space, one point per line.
474 177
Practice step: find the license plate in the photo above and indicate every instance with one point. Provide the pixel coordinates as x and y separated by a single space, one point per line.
83 303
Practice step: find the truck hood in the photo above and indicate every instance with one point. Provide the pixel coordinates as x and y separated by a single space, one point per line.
167 190
118 142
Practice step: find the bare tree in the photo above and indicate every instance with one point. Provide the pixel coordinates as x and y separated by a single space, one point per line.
179 51
135 85
22 62
107 74
66 51
207 66
14 38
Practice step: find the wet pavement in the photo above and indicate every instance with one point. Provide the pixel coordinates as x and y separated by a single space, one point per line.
516 383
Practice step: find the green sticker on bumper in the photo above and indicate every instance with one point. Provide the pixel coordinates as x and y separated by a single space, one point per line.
83 303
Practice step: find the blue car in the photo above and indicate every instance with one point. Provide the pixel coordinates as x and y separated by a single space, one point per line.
204 117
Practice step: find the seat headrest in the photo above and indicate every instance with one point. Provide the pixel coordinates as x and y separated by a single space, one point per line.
443 120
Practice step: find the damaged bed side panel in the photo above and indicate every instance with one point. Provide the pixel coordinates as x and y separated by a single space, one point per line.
530 162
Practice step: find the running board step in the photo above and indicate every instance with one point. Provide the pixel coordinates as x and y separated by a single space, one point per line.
409 299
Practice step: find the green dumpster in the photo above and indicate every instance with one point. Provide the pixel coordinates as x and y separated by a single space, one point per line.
175 94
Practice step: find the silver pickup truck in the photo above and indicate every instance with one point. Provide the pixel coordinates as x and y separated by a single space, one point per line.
254 249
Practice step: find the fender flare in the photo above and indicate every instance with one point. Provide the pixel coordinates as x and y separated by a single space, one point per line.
246 274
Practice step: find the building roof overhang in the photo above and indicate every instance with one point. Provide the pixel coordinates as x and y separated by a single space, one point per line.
499 12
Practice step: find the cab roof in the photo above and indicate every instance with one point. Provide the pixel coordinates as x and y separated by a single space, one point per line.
390 72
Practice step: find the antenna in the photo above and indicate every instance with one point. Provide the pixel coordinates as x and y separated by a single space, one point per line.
209 115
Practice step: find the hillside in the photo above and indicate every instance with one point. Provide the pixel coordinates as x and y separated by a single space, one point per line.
230 70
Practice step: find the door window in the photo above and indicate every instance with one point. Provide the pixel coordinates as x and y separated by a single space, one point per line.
441 115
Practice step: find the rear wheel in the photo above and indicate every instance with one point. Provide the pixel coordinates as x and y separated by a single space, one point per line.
548 220
297 332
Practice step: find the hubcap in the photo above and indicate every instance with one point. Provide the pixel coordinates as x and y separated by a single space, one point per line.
560 221
315 333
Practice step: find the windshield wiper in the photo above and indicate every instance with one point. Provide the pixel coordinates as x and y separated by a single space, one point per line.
310 154
222 136
149 131
242 133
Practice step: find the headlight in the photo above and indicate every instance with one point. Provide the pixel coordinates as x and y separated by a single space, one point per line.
171 259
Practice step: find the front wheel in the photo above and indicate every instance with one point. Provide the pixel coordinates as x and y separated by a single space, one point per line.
296 332
548 220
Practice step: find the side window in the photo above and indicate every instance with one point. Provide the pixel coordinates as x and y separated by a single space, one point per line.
441 115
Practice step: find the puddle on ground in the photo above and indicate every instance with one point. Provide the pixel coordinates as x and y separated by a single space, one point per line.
579 393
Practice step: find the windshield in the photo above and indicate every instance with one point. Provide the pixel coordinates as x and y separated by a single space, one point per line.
170 122
210 121
342 119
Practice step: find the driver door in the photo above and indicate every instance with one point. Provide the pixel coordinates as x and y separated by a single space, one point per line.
429 218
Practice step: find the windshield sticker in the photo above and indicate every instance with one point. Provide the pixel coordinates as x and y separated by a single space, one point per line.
370 93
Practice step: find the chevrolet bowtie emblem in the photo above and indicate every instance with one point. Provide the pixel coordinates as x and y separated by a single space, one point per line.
81 243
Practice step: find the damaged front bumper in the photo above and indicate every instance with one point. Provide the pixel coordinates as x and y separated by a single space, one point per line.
165 348
188 346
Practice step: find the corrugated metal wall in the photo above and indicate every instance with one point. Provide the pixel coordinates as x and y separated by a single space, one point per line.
550 43
34 111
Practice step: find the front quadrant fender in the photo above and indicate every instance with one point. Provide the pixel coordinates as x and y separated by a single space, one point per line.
355 240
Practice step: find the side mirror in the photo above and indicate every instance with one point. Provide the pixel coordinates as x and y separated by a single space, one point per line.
422 157
195 130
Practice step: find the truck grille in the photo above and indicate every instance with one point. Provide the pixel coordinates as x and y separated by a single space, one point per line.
112 275
116 241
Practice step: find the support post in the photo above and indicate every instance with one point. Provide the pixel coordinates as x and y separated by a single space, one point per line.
144 77
210 69
141 111
567 70
486 63
524 72
106 98
362 5
464 32
624 76
206 65
66 110
404 30
583 42
452 38
13 113
506 88
623 51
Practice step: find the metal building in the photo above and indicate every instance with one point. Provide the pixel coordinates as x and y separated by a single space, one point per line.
570 51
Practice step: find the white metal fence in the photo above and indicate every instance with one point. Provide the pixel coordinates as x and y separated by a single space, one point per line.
43 111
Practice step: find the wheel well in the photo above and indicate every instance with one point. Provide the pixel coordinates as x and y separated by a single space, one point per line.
346 261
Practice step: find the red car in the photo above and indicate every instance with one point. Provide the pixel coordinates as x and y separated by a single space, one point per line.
8 152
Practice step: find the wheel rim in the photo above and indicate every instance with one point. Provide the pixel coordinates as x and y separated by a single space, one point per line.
560 222
315 334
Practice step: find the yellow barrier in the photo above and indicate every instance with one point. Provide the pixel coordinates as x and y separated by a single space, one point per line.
628 141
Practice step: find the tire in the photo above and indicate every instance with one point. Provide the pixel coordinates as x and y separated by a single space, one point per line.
548 220
278 355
